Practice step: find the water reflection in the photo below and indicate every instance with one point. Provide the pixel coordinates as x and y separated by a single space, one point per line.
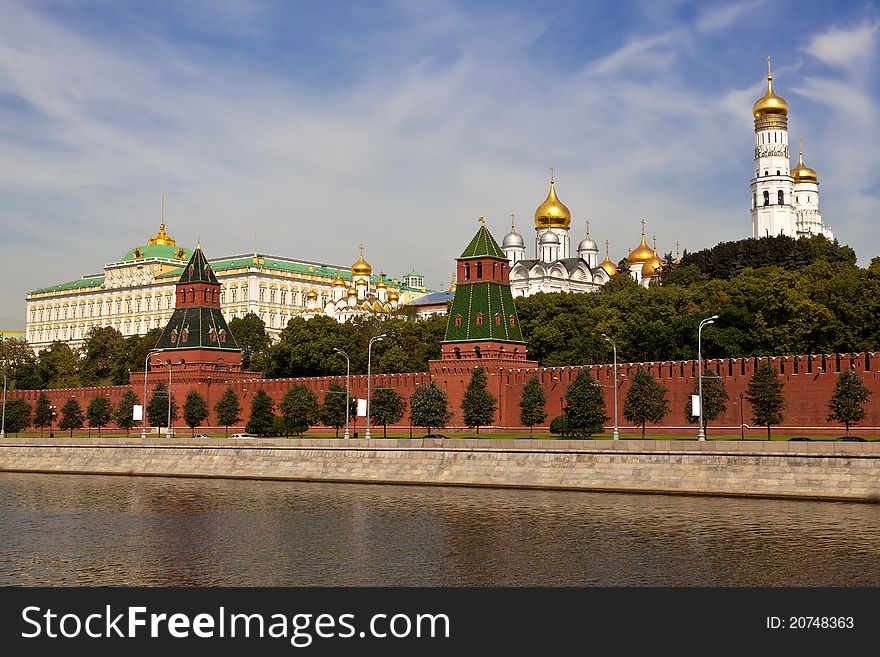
90 530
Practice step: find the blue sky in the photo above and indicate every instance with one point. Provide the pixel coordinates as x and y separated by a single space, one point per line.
318 126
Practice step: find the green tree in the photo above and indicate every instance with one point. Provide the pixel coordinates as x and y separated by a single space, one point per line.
21 365
228 409
847 403
43 412
262 415
429 407
250 334
59 366
764 394
99 413
131 355
333 408
645 401
72 416
386 407
195 410
300 409
123 414
559 426
714 399
478 405
532 406
584 406
99 354
157 407
18 415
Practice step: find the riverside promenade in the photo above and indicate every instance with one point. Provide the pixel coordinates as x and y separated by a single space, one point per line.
810 470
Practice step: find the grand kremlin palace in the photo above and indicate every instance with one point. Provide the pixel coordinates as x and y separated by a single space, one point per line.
136 293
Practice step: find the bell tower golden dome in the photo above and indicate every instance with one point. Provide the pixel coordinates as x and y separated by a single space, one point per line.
552 213
802 173
770 106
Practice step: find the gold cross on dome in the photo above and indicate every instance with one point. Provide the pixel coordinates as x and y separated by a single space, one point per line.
552 174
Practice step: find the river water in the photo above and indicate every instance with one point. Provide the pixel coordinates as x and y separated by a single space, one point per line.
101 530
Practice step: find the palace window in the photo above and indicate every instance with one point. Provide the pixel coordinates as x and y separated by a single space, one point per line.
479 270
467 271
138 305
457 352
780 197
283 298
477 352
232 293
271 296
479 319
149 303
222 295
244 294
766 198
41 314
262 293
458 321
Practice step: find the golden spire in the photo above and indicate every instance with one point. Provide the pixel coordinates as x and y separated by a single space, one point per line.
162 238
642 252
482 220
609 267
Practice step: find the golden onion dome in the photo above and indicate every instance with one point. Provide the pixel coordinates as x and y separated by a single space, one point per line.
393 295
380 285
552 213
770 104
652 266
609 267
361 267
352 292
642 253
311 295
338 282
360 282
802 173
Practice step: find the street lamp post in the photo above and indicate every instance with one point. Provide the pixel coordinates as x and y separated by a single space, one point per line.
168 431
369 365
144 401
3 422
616 434
347 386
742 424
701 434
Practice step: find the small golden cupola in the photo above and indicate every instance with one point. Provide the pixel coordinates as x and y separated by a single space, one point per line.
393 294
352 292
162 238
338 282
609 267
552 213
653 265
770 105
361 267
802 173
642 253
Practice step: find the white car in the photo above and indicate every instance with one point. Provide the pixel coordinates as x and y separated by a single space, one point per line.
241 435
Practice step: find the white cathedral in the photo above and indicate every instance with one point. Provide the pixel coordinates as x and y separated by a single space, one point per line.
784 201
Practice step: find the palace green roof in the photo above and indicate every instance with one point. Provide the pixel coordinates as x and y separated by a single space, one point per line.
164 251
90 281
483 245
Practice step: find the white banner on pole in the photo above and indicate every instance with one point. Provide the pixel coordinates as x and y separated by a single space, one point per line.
362 408
137 412
696 411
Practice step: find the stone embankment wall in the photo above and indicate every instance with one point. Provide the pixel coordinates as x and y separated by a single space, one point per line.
840 471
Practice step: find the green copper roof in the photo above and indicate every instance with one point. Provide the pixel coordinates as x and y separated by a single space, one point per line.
91 281
483 245
486 311
198 270
158 251
197 328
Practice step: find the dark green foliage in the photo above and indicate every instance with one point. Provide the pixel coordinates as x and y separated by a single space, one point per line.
262 414
478 405
102 347
195 409
300 409
99 413
584 406
42 412
250 334
123 413
764 394
72 416
429 407
228 409
18 415
714 399
559 426
333 408
20 365
645 401
157 407
386 407
532 409
847 404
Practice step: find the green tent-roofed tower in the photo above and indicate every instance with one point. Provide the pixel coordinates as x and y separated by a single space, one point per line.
197 331
482 323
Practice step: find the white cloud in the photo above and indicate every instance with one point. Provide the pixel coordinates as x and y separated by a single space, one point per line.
726 14
845 48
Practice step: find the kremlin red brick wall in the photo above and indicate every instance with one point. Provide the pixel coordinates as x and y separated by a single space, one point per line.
808 384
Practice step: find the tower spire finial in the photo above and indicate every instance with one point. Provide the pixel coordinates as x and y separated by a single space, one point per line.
643 230
769 76
362 249
588 229
801 153
552 175
512 223
162 221
482 221
606 249
655 243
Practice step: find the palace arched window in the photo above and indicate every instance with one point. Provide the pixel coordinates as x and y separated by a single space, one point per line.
457 352
467 271
780 197
766 197
479 270
477 352
479 319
